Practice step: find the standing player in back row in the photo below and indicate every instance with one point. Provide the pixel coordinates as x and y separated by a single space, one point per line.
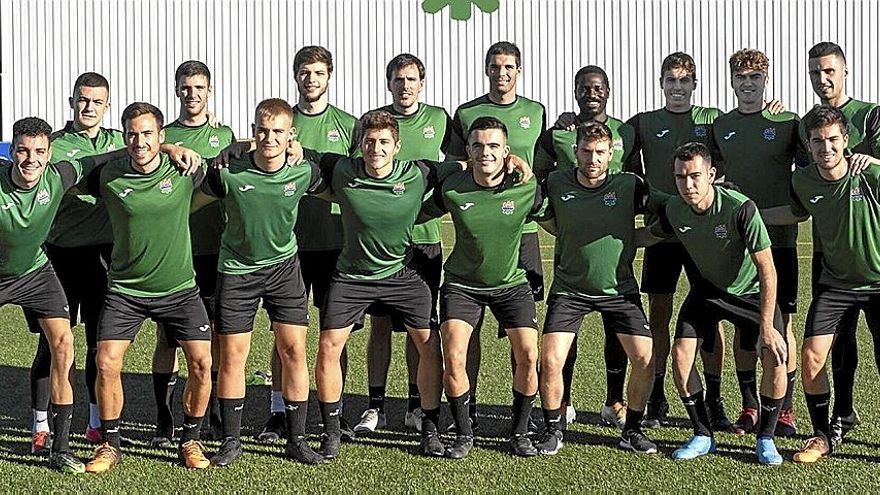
525 120
658 133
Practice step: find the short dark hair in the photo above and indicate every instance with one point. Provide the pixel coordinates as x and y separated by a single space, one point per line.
689 151
90 80
401 61
679 60
191 68
273 107
140 108
486 123
379 120
593 131
504 48
30 126
824 48
823 116
312 54
592 69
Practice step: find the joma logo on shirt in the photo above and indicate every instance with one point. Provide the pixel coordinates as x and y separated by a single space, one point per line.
567 196
662 133
43 197
466 206
610 198
507 207
165 187
428 132
721 231
729 135
399 189
290 189
525 122
333 135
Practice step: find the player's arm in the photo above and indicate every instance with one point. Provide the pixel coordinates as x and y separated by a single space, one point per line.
433 207
458 143
660 229
451 140
789 214
545 156
634 162
211 190
325 163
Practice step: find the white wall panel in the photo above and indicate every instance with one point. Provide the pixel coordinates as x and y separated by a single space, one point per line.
249 45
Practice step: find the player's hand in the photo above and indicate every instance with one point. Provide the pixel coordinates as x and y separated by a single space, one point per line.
213 121
234 150
775 107
517 164
567 121
187 160
773 342
859 162
294 152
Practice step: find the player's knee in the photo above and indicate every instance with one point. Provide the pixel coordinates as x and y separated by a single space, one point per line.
108 365
200 366
812 362
527 356
292 354
642 359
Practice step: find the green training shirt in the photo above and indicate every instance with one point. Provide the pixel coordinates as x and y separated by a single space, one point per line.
556 148
261 209
721 239
82 219
759 152
595 239
152 252
26 215
205 225
846 219
319 226
525 120
488 227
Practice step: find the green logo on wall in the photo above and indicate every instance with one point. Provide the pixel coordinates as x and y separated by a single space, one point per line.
460 10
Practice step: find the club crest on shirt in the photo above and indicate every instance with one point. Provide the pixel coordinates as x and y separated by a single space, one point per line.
525 122
165 187
399 189
333 135
290 189
214 141
617 144
429 132
721 231
769 133
610 198
507 207
856 194
701 131
43 197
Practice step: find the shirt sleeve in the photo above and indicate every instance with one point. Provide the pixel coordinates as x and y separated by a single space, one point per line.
539 206
316 184
641 195
660 226
872 131
751 228
797 148
458 142
213 183
70 173
199 176
93 181
545 156
433 207
797 208
634 162
547 213
327 163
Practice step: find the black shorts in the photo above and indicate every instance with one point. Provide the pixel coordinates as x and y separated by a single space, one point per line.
404 296
786 262
513 307
181 314
82 272
281 288
816 273
829 306
620 314
427 261
318 268
530 261
39 293
205 266
705 307
662 268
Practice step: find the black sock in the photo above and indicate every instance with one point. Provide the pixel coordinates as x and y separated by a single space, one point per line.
769 415
163 392
658 393
615 370
522 409
61 416
230 411
458 406
568 371
472 405
214 402
110 432
633 420
377 397
40 370
789 391
415 398
192 428
92 373
552 419
430 418
330 412
713 386
295 413
817 405
844 361
697 412
748 387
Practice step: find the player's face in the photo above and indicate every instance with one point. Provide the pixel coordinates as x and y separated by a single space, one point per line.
143 136
312 81
379 148
749 85
487 149
89 105
827 76
678 86
503 72
827 145
694 179
30 156
593 157
193 92
406 86
591 94
273 133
